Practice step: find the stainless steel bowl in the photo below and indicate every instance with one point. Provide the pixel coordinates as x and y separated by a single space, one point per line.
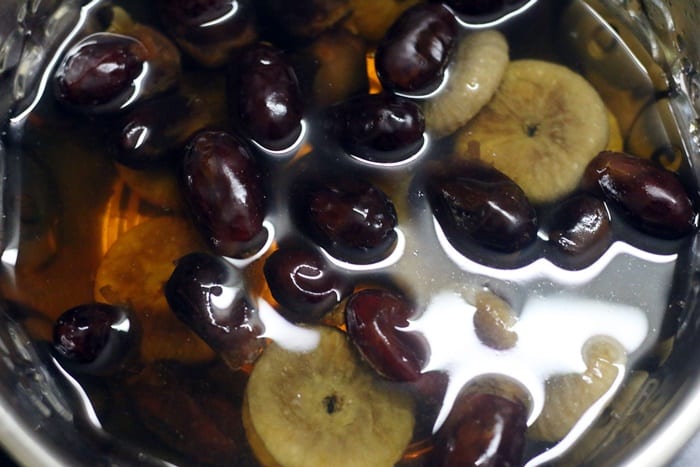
656 47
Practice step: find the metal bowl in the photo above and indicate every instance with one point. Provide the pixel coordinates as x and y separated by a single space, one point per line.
656 47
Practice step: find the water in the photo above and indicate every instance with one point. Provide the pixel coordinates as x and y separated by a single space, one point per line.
76 204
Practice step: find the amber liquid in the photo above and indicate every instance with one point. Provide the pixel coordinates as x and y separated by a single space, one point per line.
75 204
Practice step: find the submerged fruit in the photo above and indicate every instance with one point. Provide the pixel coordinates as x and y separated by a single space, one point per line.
474 202
208 294
223 187
94 338
542 127
303 282
376 322
653 198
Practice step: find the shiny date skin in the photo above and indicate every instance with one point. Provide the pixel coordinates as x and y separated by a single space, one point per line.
223 188
580 226
413 55
100 70
145 139
378 127
209 295
303 282
375 319
652 198
266 96
210 31
482 429
95 338
475 202
349 217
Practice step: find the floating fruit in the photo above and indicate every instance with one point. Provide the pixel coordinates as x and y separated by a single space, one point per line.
375 319
324 407
223 188
303 282
653 198
474 202
542 127
477 69
95 338
415 51
208 294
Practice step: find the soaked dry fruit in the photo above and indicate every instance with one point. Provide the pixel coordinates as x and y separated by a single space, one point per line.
415 51
304 283
652 197
493 320
324 407
542 127
580 227
376 322
568 397
95 338
478 67
474 202
223 188
133 274
210 32
209 295
482 429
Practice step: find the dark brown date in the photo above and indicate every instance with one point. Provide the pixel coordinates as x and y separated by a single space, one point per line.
416 50
208 294
145 139
349 217
580 226
475 202
378 127
652 198
482 429
210 31
267 97
95 338
374 320
304 283
223 188
98 73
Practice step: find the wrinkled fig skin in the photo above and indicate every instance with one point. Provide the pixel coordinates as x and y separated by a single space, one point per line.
99 72
268 97
415 51
349 217
473 201
223 188
146 139
209 295
374 318
580 225
304 283
95 338
484 430
652 198
378 127
484 10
